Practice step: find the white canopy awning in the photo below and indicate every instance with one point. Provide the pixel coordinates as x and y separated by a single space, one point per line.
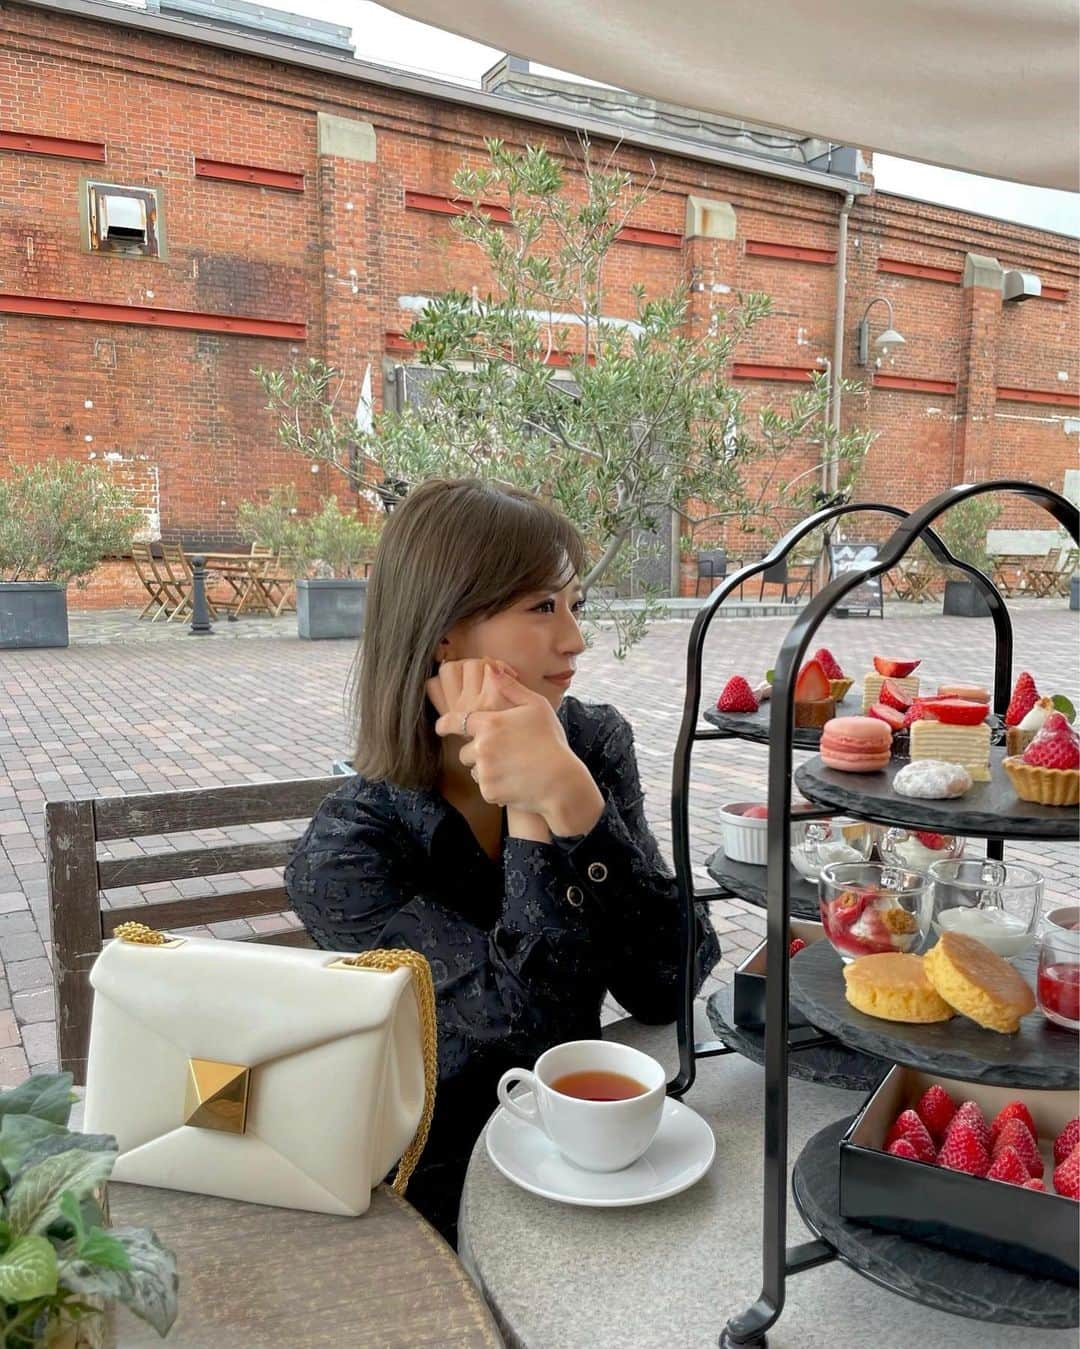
986 86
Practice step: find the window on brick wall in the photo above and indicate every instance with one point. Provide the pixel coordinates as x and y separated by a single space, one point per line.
121 221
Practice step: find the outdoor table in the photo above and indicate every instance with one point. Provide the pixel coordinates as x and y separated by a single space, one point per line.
264 1278
241 572
668 1275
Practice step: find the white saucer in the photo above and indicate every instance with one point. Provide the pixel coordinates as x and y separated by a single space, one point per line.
679 1155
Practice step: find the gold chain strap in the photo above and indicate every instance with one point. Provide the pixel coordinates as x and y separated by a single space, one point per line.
140 934
424 988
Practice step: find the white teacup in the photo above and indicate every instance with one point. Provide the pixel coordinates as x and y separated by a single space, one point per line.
595 1135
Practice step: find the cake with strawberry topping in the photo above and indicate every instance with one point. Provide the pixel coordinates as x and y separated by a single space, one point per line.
954 730
898 671
1048 771
814 701
838 681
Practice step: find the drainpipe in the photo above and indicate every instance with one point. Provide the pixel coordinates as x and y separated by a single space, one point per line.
830 475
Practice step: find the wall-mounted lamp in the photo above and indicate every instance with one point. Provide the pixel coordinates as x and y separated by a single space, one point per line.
889 338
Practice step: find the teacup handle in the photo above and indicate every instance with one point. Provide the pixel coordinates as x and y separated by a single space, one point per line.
512 1075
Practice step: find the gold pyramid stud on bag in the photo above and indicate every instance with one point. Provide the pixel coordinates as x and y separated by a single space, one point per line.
217 1095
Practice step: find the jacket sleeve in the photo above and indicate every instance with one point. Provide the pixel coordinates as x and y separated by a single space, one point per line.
633 892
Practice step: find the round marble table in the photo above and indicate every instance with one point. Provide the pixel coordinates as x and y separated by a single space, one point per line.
668 1275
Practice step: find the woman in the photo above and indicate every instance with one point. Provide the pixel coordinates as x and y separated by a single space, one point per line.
495 824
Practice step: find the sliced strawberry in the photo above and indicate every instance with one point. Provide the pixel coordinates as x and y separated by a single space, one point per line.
936 1109
1014 1110
901 1147
1067 1140
969 1114
892 695
1019 1138
797 944
1067 1175
828 663
935 842
917 712
889 715
1009 1167
1057 745
955 711
1035 1185
963 1151
849 906
737 696
1024 697
892 668
812 684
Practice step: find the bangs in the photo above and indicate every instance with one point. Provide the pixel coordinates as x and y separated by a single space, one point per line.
531 548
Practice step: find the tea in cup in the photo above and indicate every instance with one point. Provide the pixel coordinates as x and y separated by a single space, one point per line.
599 1102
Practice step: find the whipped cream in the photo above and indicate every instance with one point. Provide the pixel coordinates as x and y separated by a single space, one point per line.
917 856
1004 933
1037 716
810 856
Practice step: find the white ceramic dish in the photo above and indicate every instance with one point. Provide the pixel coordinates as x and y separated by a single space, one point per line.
744 840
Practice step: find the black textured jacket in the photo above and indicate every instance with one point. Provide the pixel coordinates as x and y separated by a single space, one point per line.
521 950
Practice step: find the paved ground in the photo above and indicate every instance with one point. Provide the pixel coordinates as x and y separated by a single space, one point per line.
133 708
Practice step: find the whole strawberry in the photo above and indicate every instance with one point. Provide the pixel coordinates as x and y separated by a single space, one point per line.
908 1125
1009 1167
1055 746
901 1147
828 663
1024 697
963 1151
1014 1110
737 696
969 1113
935 842
796 945
936 1109
1067 1140
1035 1185
1067 1175
1017 1137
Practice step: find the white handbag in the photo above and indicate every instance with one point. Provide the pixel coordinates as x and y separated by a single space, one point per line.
264 1073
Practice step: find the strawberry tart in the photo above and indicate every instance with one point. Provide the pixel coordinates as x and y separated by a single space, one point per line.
1048 771
856 744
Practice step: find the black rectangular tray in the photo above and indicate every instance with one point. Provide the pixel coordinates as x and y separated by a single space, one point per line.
748 996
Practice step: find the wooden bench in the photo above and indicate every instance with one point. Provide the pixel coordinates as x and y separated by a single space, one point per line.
78 877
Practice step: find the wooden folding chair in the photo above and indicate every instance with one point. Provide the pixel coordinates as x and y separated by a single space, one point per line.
142 557
277 584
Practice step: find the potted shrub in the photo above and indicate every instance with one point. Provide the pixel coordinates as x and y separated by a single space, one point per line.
963 529
57 521
61 1268
331 603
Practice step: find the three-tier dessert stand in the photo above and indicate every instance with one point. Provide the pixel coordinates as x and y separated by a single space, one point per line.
1042 1056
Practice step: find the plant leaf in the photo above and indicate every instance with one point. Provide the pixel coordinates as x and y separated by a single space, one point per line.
149 1287
34 1199
65 1142
45 1095
769 676
1062 704
18 1135
69 1209
28 1270
102 1248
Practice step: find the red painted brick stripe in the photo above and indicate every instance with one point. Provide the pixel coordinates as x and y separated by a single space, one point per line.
39 306
902 382
437 205
397 344
61 147
950 275
1054 293
1051 397
795 252
794 373
247 173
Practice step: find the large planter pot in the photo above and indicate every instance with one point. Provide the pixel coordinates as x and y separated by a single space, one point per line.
93 1332
1074 592
330 607
963 600
32 613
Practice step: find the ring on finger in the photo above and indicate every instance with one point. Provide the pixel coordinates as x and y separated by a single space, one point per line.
472 774
465 723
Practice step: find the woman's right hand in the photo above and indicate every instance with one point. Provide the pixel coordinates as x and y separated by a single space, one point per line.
460 689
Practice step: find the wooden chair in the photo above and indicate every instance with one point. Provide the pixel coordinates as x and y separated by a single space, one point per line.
276 582
78 877
142 557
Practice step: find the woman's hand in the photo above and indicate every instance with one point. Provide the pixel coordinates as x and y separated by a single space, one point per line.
520 758
460 689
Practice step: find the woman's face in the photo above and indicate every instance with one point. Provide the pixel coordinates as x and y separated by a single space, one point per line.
538 635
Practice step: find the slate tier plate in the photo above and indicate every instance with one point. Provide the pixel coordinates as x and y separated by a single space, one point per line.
1039 1055
989 810
755 726
749 883
833 1065
935 1278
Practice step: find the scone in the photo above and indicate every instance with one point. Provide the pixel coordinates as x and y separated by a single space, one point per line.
893 987
978 982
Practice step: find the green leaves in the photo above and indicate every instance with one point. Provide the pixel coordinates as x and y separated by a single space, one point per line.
1062 704
149 1285
28 1270
34 1199
47 1096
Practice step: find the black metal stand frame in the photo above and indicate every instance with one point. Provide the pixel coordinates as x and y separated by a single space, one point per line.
779 1262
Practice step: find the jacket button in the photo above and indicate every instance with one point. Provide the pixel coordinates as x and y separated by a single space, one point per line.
597 871
574 897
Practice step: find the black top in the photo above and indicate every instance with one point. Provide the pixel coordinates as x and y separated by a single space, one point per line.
521 950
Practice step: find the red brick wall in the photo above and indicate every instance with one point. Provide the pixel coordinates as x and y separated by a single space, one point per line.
338 256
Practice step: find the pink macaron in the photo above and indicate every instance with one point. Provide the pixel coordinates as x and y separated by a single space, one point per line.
856 744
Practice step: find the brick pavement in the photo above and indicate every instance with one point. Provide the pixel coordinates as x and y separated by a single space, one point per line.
123 711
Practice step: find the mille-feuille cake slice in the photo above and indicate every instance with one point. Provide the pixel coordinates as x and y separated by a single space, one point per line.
871 687
966 745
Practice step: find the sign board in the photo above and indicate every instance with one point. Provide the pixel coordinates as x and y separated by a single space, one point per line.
865 599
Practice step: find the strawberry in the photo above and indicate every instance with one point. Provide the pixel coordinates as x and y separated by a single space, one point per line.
756 812
936 1109
895 669
1067 1140
1007 1166
797 945
1017 1137
1034 1184
935 842
737 696
908 1125
828 663
970 1115
963 1151
892 695
1024 697
1056 746
1067 1175
1014 1110
812 684
917 712
900 1147
889 715
955 711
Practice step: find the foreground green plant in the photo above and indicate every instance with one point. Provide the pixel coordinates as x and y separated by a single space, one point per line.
59 1263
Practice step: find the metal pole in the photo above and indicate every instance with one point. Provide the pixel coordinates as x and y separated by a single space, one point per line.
200 611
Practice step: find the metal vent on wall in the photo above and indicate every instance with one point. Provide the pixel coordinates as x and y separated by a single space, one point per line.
124 221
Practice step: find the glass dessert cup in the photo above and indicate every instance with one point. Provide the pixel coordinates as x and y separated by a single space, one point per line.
918 849
1058 985
998 903
818 843
870 908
